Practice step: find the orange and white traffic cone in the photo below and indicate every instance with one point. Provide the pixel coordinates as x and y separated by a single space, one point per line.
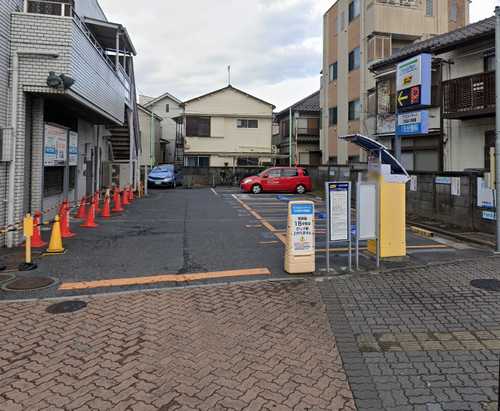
64 217
37 241
82 209
106 208
117 201
125 197
90 222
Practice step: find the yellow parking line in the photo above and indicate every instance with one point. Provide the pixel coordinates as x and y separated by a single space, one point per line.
155 279
269 242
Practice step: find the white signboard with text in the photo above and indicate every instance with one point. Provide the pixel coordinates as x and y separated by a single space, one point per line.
73 149
55 146
338 208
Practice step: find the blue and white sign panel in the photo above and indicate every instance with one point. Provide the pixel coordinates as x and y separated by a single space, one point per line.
415 122
302 224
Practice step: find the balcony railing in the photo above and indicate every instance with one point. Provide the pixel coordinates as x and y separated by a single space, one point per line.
308 131
53 8
472 96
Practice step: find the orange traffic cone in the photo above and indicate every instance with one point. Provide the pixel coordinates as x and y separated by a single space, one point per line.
106 208
125 197
118 204
82 209
90 222
64 217
131 194
36 240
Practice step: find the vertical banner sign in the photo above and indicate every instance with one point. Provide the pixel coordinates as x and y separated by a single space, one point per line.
302 223
338 194
413 82
73 149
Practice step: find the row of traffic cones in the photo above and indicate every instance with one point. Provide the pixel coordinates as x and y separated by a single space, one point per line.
61 228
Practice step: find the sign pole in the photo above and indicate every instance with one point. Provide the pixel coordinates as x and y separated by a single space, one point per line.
497 142
358 202
397 137
327 196
378 209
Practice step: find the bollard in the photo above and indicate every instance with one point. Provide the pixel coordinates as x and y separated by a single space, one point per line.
55 244
37 241
28 264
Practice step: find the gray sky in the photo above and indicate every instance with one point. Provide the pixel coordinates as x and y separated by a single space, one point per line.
274 47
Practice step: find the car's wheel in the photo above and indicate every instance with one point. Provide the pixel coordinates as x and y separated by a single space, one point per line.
256 189
300 189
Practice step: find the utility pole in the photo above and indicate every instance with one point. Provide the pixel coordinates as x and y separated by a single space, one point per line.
290 127
497 142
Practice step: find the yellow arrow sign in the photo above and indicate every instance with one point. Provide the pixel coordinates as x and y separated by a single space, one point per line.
401 98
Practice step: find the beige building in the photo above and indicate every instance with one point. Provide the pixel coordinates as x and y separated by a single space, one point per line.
153 145
227 127
357 34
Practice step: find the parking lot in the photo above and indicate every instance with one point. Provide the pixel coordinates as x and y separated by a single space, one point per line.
203 236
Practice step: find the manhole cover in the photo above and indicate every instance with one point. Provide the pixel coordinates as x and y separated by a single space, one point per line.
66 307
486 284
29 284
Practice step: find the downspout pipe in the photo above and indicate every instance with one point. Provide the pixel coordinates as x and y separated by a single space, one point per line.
11 186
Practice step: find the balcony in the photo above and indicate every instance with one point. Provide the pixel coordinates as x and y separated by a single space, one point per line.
469 97
85 53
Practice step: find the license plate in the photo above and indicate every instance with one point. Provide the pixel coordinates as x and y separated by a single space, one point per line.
157 183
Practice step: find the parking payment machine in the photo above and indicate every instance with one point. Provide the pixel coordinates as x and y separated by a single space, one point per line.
390 178
300 246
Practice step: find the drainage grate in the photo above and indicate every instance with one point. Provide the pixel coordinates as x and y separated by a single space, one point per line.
486 284
66 307
29 283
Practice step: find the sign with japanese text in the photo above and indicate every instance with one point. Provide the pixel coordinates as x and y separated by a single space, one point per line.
413 82
302 227
73 148
415 122
338 208
55 146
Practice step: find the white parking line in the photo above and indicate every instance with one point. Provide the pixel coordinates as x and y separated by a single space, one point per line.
215 192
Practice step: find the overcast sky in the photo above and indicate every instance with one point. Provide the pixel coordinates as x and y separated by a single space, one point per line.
274 47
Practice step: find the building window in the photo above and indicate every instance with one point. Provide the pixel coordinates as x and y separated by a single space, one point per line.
198 127
332 116
196 161
242 123
167 108
333 71
453 10
429 8
371 99
354 59
379 48
53 178
354 10
247 161
489 63
354 110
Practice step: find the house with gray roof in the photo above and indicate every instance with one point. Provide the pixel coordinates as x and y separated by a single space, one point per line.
304 129
462 116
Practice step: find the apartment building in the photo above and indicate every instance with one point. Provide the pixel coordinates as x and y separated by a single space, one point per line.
68 115
168 108
356 34
153 146
461 133
227 128
304 132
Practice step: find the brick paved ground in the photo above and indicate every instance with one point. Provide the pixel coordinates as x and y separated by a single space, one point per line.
423 339
259 346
